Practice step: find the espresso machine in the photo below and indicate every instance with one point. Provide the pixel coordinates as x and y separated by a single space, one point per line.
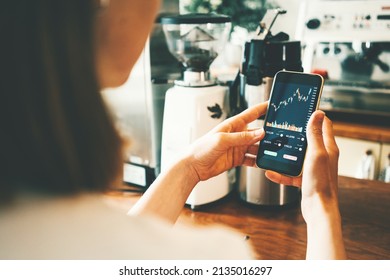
196 103
265 55
348 43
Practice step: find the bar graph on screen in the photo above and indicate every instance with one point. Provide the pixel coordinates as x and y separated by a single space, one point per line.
285 125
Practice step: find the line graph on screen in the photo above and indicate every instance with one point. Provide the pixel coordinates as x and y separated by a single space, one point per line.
297 95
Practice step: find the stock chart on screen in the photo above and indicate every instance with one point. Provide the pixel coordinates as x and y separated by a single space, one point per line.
290 105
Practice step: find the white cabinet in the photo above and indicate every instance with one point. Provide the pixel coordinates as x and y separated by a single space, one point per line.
352 152
385 161
385 154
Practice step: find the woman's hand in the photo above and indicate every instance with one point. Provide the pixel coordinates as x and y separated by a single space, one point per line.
228 145
319 190
319 178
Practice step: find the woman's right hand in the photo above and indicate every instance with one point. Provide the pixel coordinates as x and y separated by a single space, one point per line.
319 177
319 190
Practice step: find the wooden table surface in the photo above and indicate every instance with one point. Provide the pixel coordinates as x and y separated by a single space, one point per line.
281 233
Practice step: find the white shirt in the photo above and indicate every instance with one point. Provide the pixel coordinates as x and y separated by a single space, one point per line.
86 227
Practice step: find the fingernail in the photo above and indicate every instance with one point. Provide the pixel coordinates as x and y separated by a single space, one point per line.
321 113
318 116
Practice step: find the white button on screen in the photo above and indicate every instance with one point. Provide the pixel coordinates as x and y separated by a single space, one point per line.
289 157
270 153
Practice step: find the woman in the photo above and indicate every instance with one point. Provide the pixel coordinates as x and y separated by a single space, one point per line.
59 148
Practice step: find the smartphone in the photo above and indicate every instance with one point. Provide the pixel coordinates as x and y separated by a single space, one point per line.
294 97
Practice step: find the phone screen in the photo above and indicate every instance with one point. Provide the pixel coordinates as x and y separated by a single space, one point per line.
294 97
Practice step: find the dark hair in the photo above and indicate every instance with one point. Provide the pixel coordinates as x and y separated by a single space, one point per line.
57 135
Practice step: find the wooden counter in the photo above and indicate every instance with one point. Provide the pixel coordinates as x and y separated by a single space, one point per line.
281 233
378 134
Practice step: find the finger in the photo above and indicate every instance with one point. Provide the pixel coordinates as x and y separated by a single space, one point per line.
249 161
253 149
283 179
329 139
314 132
254 128
253 113
243 138
240 121
331 146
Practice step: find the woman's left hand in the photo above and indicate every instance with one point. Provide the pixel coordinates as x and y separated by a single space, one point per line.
228 145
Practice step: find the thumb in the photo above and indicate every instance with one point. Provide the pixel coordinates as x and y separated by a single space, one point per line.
314 130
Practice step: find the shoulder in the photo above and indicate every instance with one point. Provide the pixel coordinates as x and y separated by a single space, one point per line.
88 228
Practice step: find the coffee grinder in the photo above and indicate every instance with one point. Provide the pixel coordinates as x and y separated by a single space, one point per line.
264 56
196 103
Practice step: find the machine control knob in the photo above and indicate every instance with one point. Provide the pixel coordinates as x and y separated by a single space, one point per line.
313 23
